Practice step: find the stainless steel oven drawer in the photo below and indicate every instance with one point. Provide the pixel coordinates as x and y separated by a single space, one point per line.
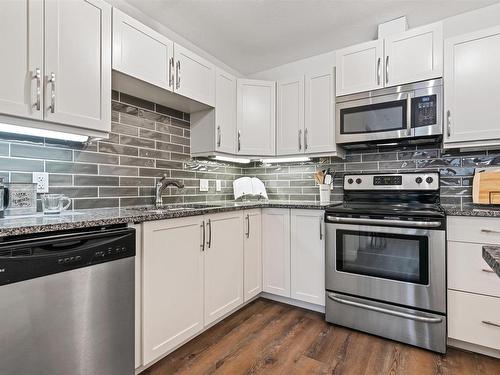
410 326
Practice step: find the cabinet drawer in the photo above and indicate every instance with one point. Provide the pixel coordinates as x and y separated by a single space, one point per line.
472 318
474 229
467 270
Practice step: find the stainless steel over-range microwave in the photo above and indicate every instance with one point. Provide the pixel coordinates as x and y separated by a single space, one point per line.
400 112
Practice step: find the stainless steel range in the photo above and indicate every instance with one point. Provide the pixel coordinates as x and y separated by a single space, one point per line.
386 258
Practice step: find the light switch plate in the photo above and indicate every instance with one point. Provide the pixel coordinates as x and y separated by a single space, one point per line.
218 185
42 181
203 184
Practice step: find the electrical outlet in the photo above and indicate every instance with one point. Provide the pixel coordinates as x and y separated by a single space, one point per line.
203 184
218 185
42 181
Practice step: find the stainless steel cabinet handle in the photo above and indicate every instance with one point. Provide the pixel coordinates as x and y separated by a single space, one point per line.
418 318
355 220
203 236
408 115
38 78
171 72
209 225
448 123
178 74
490 231
219 136
248 226
378 71
52 81
487 270
300 139
306 146
490 323
321 228
387 69
239 141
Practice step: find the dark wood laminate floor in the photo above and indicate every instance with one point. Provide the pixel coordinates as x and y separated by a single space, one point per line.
267 337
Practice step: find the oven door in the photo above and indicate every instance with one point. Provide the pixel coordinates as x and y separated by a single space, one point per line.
372 119
404 266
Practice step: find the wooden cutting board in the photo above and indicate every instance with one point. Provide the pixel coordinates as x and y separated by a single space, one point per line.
486 187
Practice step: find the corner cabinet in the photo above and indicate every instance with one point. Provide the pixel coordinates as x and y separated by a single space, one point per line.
252 253
256 117
59 63
290 124
471 82
410 56
144 54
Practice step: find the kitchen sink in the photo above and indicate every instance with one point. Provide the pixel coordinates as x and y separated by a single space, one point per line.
173 207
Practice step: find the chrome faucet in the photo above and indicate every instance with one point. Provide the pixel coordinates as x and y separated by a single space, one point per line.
162 185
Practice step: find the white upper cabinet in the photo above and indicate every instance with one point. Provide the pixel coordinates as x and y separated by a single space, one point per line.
252 248
194 76
471 85
141 52
307 230
319 127
360 67
225 112
276 251
21 37
78 63
411 56
172 292
290 119
414 55
223 264
256 111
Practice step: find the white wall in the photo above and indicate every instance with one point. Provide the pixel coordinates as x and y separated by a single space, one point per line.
463 23
172 35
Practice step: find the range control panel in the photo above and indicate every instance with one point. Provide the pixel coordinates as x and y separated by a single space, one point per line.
403 181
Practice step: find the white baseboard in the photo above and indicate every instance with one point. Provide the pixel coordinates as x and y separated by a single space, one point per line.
293 302
474 348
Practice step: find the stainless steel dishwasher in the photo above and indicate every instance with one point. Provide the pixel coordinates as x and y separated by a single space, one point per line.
67 303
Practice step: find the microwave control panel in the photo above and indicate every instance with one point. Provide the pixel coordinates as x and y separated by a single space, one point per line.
424 110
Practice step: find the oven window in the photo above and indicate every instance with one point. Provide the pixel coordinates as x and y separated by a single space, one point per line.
373 118
389 256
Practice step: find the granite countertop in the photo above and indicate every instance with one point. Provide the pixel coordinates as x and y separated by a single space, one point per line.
19 225
473 210
491 254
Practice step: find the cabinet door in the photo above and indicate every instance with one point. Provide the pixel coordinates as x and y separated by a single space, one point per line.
172 289
78 63
414 55
319 112
141 52
225 112
252 254
308 256
290 117
223 264
276 251
359 68
194 76
21 37
256 117
471 82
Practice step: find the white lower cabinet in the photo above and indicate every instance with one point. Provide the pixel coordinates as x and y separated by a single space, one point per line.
276 251
308 256
252 253
223 264
172 289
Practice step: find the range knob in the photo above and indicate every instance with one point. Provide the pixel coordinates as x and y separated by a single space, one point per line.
358 181
429 180
418 180
350 181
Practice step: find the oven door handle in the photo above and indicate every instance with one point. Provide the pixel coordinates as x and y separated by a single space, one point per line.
418 318
355 220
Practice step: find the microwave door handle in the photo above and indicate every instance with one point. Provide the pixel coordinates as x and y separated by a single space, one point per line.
408 114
